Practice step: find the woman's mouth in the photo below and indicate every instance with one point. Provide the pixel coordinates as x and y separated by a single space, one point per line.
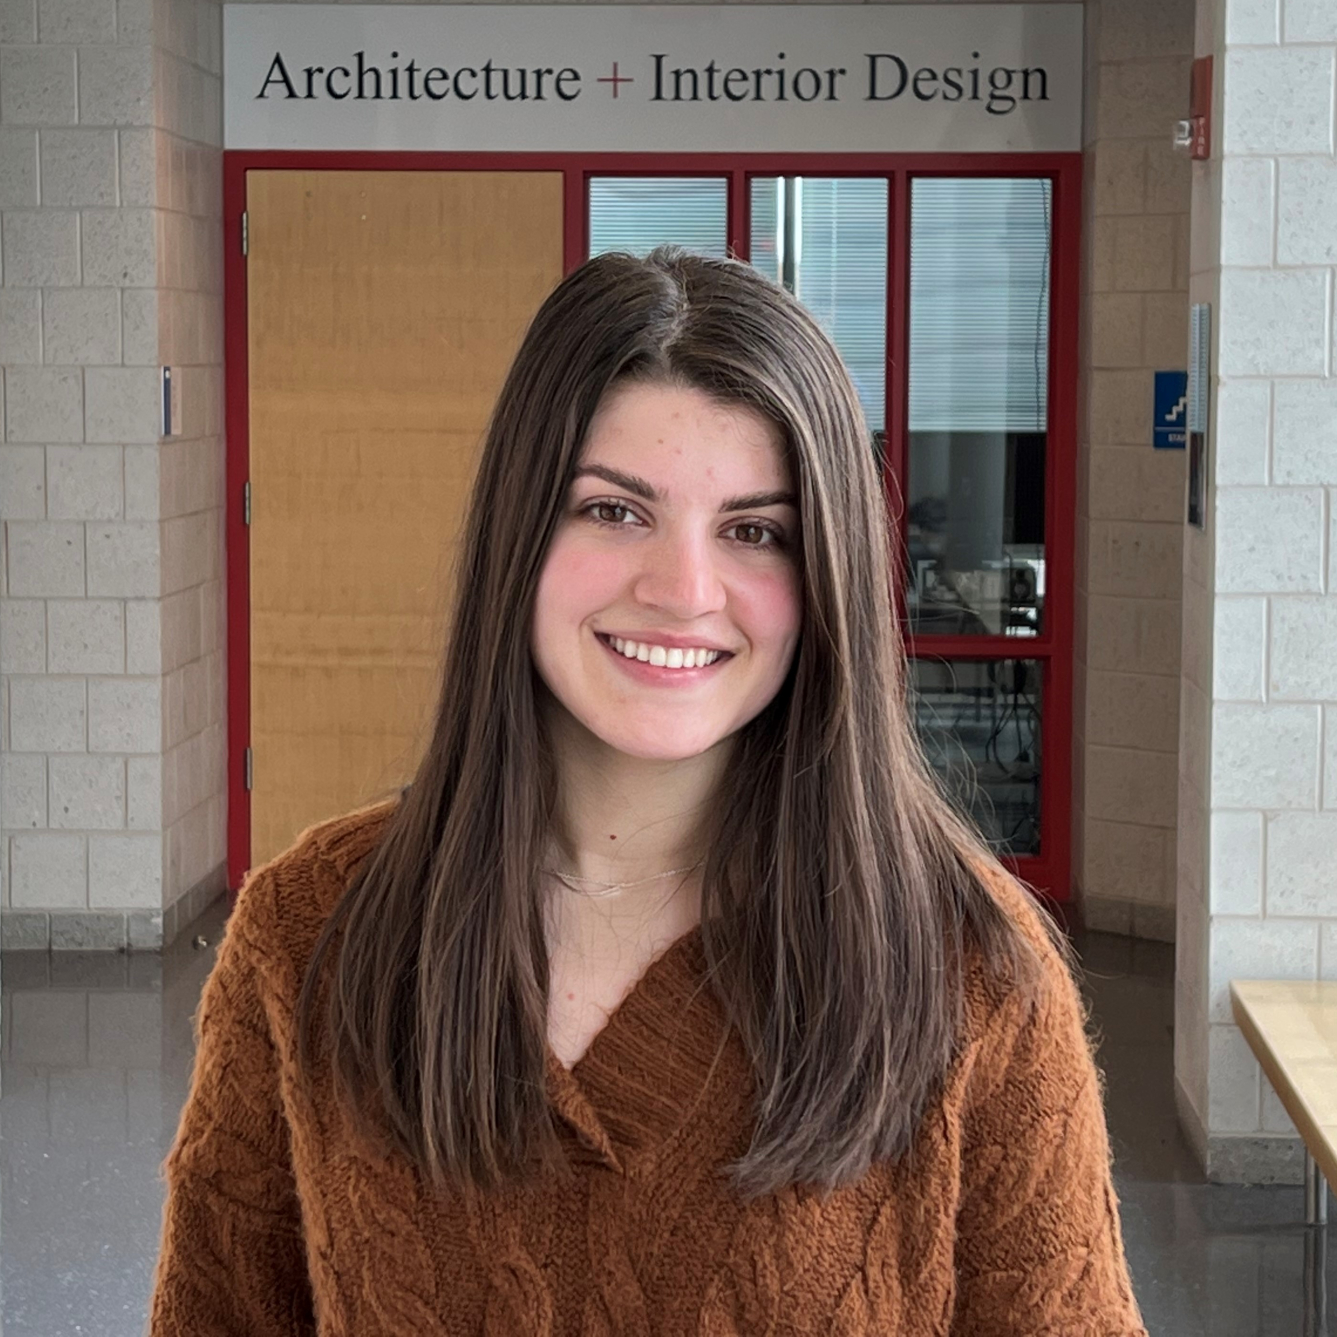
662 665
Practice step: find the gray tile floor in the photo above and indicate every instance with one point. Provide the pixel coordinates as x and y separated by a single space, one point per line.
97 1048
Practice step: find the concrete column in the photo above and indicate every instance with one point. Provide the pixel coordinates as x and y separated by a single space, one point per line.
1258 741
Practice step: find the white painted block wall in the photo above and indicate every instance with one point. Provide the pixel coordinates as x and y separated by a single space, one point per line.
1258 811
111 608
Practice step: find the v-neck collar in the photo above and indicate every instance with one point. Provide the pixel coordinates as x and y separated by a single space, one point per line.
641 1075
650 1066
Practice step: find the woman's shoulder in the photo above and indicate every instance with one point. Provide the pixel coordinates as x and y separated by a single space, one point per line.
284 903
341 843
1020 903
995 1005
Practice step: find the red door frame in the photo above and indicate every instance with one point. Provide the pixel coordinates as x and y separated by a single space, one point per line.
1050 873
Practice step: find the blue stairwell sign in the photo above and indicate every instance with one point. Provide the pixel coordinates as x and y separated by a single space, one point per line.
1170 420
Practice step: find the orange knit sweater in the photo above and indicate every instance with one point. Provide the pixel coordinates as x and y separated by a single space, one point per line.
1004 1220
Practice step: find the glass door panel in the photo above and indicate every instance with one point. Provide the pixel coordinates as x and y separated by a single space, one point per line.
979 723
826 240
639 213
978 419
977 446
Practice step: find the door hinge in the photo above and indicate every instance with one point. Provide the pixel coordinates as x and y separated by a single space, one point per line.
248 768
245 233
246 503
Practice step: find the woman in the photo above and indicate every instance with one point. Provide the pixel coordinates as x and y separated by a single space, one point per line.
671 997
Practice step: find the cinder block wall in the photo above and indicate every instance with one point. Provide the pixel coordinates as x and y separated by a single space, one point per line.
1130 496
111 621
1258 767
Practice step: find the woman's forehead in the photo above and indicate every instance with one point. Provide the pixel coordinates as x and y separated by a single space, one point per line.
649 428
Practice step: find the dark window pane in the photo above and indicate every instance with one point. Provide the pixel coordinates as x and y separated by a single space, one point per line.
975 533
979 724
978 374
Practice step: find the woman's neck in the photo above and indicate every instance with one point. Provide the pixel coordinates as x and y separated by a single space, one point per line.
623 819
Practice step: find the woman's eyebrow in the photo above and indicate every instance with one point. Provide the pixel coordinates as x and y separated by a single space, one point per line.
634 483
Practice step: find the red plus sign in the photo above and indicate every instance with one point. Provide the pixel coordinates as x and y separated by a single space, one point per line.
616 79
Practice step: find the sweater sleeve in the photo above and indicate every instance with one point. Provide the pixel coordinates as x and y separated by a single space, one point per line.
232 1261
1039 1249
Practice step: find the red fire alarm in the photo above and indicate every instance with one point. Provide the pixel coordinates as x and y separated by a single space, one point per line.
1195 134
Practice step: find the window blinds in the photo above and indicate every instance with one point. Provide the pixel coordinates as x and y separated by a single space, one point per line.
639 213
979 278
839 266
979 304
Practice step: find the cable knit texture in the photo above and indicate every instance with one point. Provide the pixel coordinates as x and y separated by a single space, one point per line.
1002 1222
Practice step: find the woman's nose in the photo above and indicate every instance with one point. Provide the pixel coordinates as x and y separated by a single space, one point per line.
681 575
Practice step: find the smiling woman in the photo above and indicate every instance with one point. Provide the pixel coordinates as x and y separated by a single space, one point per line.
702 555
669 997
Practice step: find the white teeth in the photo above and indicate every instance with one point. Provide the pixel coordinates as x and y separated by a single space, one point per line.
661 656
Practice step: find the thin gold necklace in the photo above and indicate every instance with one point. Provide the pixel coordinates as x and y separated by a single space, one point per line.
608 888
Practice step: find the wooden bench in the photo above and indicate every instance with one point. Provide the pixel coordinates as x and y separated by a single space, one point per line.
1292 1029
1291 1026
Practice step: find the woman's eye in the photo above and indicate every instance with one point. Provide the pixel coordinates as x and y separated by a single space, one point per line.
754 533
764 532
594 507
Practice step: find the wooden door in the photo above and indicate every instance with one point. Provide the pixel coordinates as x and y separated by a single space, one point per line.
384 308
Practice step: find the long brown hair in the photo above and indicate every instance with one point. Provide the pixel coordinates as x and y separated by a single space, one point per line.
840 882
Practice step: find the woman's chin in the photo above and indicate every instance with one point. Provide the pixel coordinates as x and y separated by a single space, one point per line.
665 744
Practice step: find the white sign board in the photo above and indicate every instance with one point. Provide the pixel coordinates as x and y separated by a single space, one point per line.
664 78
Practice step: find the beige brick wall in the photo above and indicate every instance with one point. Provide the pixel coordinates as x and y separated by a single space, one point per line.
1130 496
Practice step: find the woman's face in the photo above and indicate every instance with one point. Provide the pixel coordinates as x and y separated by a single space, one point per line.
680 532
